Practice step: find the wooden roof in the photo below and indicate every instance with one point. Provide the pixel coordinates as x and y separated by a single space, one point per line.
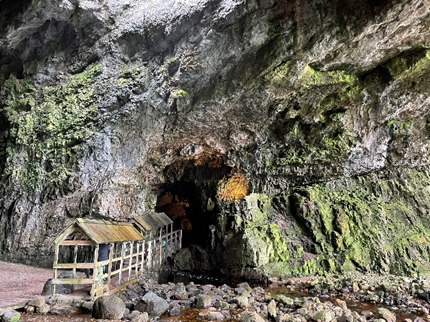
152 220
99 231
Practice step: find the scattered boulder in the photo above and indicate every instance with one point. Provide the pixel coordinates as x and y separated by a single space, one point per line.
202 301
251 317
59 309
44 309
174 309
152 304
140 317
215 316
108 307
11 316
385 314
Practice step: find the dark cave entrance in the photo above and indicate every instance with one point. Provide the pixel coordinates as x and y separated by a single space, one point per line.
189 196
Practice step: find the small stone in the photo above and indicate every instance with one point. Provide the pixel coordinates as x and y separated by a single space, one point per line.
174 309
355 287
11 316
271 309
340 303
323 316
202 301
108 307
44 309
215 316
221 304
87 306
29 309
251 317
242 301
385 314
141 317
182 295
153 304
37 301
61 309
133 314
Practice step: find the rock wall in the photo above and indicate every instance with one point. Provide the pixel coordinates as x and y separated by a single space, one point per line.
324 108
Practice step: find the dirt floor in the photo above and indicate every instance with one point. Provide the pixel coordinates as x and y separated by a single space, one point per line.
19 283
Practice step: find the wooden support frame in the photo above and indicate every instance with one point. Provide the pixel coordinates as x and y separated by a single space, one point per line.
134 255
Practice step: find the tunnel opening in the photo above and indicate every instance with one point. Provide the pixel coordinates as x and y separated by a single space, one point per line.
189 196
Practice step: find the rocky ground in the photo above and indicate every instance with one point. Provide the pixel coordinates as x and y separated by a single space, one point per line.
346 298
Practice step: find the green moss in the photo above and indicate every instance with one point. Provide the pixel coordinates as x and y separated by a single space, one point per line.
309 77
409 66
180 93
399 128
280 74
49 126
365 224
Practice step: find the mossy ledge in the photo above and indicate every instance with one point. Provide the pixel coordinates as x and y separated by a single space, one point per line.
48 127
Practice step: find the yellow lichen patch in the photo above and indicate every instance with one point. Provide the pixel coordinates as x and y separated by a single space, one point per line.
232 188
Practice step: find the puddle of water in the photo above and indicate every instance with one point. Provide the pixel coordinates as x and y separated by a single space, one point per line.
401 313
187 278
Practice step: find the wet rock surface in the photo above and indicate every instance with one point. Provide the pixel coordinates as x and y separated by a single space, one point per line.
297 299
322 107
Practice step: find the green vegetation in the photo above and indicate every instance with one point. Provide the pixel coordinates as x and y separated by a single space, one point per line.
310 77
365 225
49 126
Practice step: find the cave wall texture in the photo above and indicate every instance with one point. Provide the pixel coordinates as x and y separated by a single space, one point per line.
322 105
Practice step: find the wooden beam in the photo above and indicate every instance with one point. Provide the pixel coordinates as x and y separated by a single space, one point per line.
143 255
77 243
120 287
73 281
55 275
73 265
121 263
130 260
93 287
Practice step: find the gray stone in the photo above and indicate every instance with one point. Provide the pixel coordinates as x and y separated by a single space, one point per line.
271 309
385 314
87 305
215 316
59 309
174 308
202 301
44 309
37 301
242 301
153 304
141 317
11 316
109 307
251 317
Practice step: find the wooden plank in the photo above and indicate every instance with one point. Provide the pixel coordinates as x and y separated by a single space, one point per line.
77 265
149 254
77 243
120 287
137 259
55 275
73 281
93 287
130 260
121 263
143 256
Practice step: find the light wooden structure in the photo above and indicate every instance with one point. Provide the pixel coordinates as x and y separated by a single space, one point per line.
130 251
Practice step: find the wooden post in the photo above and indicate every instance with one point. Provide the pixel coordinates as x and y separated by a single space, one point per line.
95 272
75 260
130 260
56 251
180 239
161 244
149 253
121 263
137 259
112 247
143 256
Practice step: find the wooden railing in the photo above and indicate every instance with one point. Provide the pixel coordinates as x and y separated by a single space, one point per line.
127 260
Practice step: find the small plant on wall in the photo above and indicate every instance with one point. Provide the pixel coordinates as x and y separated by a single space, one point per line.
232 188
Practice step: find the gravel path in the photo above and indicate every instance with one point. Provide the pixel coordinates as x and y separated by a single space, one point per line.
19 282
